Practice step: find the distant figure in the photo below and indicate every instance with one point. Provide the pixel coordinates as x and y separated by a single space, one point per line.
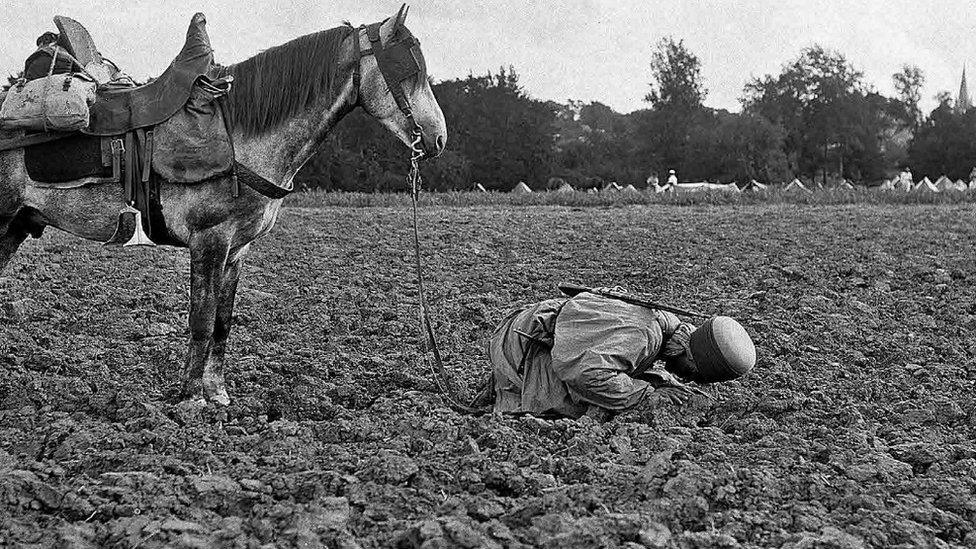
38 65
906 176
972 175
672 179
652 181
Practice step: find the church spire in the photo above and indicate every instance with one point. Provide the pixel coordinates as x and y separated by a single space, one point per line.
963 103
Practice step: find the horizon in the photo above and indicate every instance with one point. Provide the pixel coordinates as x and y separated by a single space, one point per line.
546 42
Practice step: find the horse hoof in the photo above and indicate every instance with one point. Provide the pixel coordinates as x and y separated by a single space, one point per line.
220 397
190 409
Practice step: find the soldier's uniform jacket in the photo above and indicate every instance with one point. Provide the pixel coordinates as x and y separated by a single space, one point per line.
559 357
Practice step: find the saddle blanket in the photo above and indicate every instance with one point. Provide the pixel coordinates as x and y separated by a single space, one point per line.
68 159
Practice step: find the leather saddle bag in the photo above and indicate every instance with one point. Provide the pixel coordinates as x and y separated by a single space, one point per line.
57 102
194 145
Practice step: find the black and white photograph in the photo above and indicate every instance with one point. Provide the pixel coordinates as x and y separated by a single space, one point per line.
499 274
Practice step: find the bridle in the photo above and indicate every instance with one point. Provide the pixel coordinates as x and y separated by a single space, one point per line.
397 64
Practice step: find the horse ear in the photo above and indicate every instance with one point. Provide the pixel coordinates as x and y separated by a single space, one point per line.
401 17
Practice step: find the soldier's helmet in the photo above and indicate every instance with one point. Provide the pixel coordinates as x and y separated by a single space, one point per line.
722 350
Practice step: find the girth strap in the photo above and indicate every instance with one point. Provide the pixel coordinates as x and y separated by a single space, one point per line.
141 185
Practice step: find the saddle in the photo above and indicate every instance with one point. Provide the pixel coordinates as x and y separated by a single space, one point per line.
172 130
118 110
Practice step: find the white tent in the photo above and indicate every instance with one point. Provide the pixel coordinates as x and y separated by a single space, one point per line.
521 188
754 186
630 189
612 187
845 185
704 186
944 184
565 188
925 186
796 185
478 187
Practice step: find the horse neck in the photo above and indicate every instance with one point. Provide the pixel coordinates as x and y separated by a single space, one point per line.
277 154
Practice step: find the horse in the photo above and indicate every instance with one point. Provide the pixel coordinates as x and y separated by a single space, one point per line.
284 103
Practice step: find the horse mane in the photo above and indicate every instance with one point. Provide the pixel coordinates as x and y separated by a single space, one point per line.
285 80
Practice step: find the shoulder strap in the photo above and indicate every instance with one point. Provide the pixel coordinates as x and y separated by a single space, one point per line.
54 58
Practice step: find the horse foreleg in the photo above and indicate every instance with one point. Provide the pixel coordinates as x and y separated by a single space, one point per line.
208 257
214 386
9 242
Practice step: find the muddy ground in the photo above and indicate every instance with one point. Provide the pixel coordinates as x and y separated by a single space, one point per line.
857 428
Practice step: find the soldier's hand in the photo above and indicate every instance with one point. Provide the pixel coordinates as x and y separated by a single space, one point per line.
662 379
677 396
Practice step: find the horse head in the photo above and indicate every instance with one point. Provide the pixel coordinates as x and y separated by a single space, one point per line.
394 86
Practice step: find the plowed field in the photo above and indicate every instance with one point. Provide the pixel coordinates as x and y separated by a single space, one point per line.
856 429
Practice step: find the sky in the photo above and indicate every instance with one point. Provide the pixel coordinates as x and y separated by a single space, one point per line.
589 50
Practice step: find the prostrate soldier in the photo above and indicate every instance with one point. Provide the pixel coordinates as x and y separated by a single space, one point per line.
594 355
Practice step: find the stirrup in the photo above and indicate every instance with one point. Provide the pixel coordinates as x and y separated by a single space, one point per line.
128 231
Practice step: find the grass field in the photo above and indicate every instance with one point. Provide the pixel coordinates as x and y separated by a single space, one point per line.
860 195
856 429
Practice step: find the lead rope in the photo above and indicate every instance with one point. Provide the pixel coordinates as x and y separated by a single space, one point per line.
441 377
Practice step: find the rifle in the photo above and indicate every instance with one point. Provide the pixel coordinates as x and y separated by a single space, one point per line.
573 290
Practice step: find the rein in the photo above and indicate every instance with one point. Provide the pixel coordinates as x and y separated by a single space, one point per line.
441 377
397 64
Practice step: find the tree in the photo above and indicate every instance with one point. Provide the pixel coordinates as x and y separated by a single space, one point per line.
505 135
449 172
832 121
908 83
736 147
945 143
677 81
944 98
663 133
593 145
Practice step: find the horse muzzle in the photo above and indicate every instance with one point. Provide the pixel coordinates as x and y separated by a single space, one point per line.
433 146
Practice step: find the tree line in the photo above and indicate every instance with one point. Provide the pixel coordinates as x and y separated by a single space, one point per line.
817 119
